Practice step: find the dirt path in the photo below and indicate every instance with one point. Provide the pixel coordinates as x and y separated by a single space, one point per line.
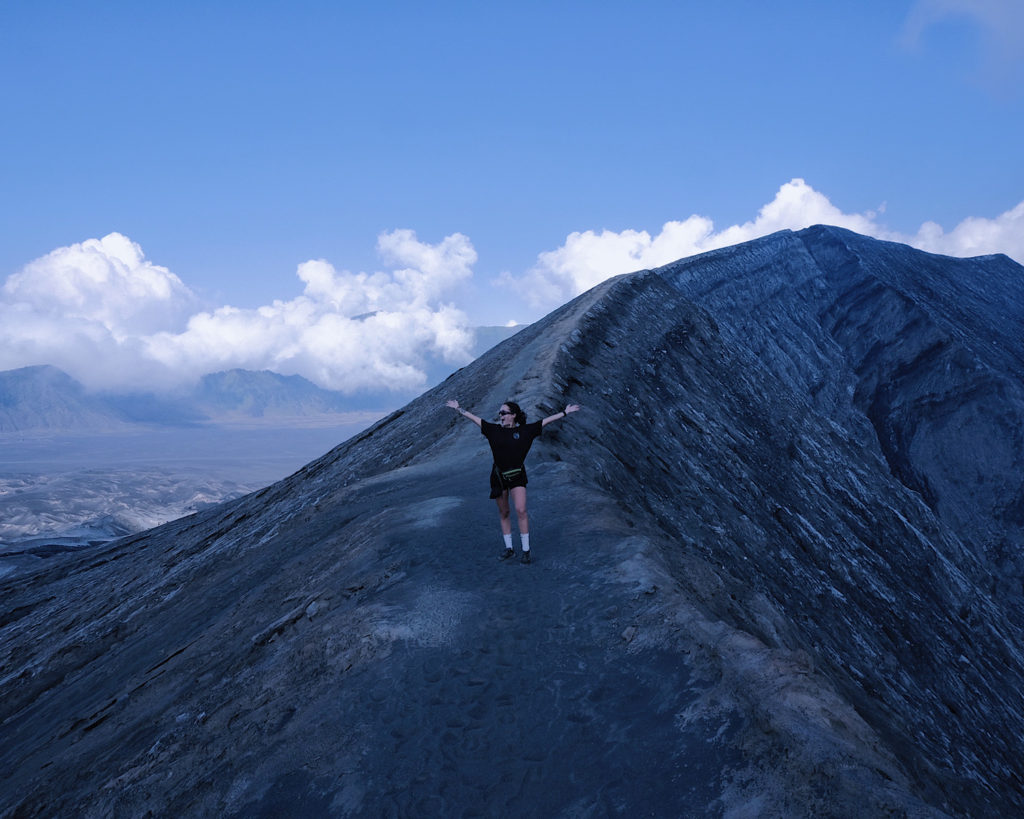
516 693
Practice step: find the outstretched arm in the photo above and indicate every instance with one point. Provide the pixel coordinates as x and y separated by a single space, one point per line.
464 413
558 416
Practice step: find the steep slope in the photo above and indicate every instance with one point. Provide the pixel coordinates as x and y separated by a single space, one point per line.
743 597
773 465
939 362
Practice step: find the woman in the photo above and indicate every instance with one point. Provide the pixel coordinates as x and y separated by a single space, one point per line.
510 440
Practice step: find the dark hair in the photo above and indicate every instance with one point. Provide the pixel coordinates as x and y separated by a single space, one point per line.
519 414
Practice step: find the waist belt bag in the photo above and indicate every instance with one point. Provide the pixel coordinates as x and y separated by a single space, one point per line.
509 475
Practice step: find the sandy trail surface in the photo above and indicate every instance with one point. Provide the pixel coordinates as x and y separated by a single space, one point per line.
514 690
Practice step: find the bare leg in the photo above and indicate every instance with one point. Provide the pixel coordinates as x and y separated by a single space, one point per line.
519 500
504 513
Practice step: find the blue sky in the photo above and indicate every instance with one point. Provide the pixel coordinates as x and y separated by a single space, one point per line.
191 186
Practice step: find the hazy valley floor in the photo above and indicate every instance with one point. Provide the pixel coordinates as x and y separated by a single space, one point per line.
65 491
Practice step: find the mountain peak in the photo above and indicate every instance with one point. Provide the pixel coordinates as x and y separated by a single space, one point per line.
44 397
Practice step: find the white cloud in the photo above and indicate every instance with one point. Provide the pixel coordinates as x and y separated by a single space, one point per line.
104 314
430 269
588 258
112 319
425 273
975 236
108 281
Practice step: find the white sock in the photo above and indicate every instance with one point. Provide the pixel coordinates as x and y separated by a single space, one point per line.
525 538
508 541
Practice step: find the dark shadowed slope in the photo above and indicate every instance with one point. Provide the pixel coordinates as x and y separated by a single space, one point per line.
762 583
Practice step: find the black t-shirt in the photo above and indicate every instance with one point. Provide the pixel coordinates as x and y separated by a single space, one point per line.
509 446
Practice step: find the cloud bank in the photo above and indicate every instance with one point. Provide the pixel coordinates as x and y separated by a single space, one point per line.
104 281
588 258
114 320
103 313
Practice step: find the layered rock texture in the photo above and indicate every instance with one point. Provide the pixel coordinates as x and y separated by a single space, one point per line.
776 572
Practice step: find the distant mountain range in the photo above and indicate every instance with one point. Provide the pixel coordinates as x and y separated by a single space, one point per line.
45 398
33 398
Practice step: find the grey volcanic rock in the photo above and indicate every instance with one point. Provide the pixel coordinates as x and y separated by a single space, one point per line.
770 578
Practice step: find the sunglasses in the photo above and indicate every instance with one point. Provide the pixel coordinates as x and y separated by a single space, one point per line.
505 412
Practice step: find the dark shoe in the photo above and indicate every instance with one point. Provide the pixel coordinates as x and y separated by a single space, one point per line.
507 553
526 557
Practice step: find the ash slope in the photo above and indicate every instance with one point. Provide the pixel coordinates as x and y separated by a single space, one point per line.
775 573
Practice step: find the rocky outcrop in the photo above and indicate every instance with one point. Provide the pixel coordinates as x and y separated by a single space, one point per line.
770 578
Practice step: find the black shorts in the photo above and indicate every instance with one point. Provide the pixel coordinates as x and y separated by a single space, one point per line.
499 484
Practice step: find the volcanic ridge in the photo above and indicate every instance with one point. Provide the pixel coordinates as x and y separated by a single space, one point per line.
777 572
